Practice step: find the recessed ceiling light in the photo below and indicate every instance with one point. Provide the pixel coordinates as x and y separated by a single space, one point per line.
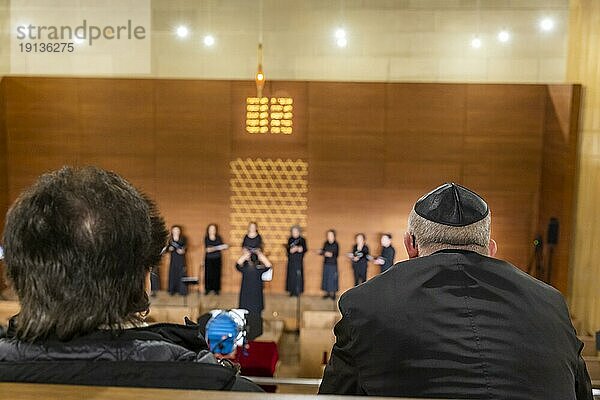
546 24
340 33
504 36
209 40
182 31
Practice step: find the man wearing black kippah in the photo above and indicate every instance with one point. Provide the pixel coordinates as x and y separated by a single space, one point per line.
454 322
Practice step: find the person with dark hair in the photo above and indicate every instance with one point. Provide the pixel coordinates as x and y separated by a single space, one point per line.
79 246
330 251
213 261
453 321
177 270
359 257
252 240
388 253
296 248
255 268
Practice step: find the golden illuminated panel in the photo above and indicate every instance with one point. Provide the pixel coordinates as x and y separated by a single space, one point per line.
269 115
274 193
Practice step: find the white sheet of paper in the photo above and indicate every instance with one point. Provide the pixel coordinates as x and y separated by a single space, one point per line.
267 276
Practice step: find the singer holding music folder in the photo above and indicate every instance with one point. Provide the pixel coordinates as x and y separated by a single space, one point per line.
359 257
296 248
213 260
388 253
330 251
176 248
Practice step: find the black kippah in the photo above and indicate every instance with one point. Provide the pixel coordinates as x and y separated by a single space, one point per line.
452 205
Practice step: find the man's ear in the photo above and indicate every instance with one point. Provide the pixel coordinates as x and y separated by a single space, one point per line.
411 246
493 248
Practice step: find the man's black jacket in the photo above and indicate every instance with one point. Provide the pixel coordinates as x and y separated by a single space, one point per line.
456 324
158 356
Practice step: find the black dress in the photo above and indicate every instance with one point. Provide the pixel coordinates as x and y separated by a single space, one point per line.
251 292
388 254
252 243
177 267
295 267
330 268
213 263
360 266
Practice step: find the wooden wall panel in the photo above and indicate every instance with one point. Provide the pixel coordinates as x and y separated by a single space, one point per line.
347 158
43 128
372 150
112 138
559 172
193 137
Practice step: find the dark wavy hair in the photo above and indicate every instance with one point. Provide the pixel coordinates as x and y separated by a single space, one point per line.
182 237
79 243
208 227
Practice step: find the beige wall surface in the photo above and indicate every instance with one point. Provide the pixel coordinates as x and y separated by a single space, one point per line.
388 40
584 53
4 37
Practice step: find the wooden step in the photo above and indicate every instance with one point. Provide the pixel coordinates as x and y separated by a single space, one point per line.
593 367
589 346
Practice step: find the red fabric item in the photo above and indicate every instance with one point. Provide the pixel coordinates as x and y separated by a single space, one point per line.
258 359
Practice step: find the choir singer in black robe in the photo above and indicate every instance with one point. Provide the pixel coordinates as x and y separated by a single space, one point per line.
252 265
213 261
252 240
388 253
359 258
177 269
453 321
296 248
330 253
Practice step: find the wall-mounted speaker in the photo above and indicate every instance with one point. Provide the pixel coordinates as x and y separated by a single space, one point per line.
552 237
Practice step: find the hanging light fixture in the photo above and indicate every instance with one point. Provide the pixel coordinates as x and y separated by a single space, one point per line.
259 78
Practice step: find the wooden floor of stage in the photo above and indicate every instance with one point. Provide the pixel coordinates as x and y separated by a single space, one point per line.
276 305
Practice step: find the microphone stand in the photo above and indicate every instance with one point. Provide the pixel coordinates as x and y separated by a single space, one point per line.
298 277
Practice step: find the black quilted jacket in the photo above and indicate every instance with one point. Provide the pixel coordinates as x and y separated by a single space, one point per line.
162 356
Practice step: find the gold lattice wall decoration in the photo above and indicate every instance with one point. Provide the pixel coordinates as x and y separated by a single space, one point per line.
274 194
269 115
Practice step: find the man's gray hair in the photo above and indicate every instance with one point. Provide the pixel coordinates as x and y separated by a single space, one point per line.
431 236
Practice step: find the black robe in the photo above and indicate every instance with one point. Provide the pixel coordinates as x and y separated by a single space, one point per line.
453 325
295 267
330 283
253 243
360 266
177 267
251 292
212 265
388 254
